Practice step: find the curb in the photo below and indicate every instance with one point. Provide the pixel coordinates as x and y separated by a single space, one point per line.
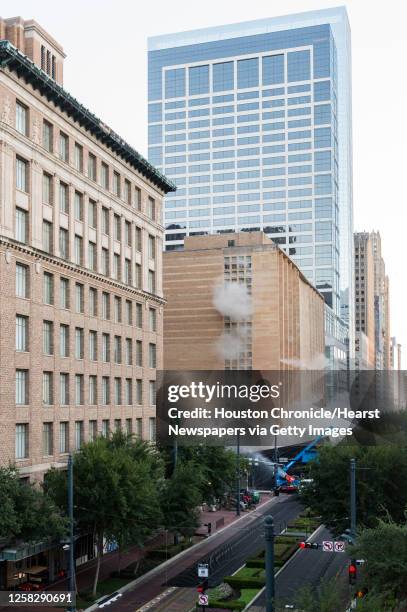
314 533
130 585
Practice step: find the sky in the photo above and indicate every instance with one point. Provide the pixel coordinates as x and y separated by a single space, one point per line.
106 69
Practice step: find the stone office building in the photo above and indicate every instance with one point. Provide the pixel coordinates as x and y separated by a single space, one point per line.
81 292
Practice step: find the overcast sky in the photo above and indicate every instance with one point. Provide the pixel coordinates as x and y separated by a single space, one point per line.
106 69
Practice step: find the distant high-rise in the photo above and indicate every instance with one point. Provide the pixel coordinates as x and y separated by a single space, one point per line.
253 123
365 354
382 306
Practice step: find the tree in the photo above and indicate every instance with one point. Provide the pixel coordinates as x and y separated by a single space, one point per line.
180 498
381 470
384 549
26 512
116 494
328 596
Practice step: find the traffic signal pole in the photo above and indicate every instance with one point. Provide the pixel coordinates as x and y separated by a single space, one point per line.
238 475
353 498
270 583
72 586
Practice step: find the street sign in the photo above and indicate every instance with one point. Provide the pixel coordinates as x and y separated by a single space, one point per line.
203 570
203 599
339 546
328 546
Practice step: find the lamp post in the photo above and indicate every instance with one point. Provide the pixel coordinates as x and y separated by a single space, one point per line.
270 586
72 586
353 499
238 475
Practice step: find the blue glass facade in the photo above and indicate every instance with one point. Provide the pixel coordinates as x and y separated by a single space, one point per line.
254 132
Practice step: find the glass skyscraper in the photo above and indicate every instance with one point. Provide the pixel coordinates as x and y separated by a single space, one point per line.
252 121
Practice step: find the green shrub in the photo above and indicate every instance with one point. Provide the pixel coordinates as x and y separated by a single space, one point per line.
248 582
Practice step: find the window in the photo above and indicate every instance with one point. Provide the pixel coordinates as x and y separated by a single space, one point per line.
117 391
151 281
92 167
105 428
139 353
127 233
78 250
93 302
127 191
22 277
138 239
47 439
117 349
48 337
129 312
78 157
139 315
175 83
223 78
106 347
78 342
63 243
248 73
92 214
64 293
21 225
64 389
139 391
198 80
47 389
64 340
93 430
47 136
151 208
78 435
47 235
129 351
46 188
21 333
22 387
137 198
152 356
93 390
63 147
93 345
105 390
22 441
21 174
48 288
117 309
129 426
64 437
139 428
117 227
105 262
79 389
273 69
21 118
63 198
152 319
298 66
152 428
127 272
151 247
105 306
78 206
79 297
138 278
104 175
116 183
116 266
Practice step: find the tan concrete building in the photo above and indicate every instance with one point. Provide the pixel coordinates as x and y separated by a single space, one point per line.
80 265
382 306
365 348
237 301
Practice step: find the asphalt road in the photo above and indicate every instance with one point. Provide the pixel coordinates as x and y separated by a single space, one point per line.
307 567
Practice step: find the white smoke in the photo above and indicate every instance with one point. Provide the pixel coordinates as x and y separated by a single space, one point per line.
230 344
318 362
232 300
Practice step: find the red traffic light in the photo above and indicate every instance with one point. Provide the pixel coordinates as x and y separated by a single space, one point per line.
352 569
308 545
202 586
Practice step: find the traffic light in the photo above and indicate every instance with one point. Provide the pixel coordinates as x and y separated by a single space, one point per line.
203 586
352 572
308 545
361 593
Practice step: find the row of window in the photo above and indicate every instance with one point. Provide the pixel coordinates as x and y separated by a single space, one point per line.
22 434
97 170
123 310
110 394
22 344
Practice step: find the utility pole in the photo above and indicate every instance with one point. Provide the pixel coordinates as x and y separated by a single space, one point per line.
238 475
270 587
353 498
72 586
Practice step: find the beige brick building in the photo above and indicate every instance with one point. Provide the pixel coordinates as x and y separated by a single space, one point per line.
237 301
365 346
81 294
